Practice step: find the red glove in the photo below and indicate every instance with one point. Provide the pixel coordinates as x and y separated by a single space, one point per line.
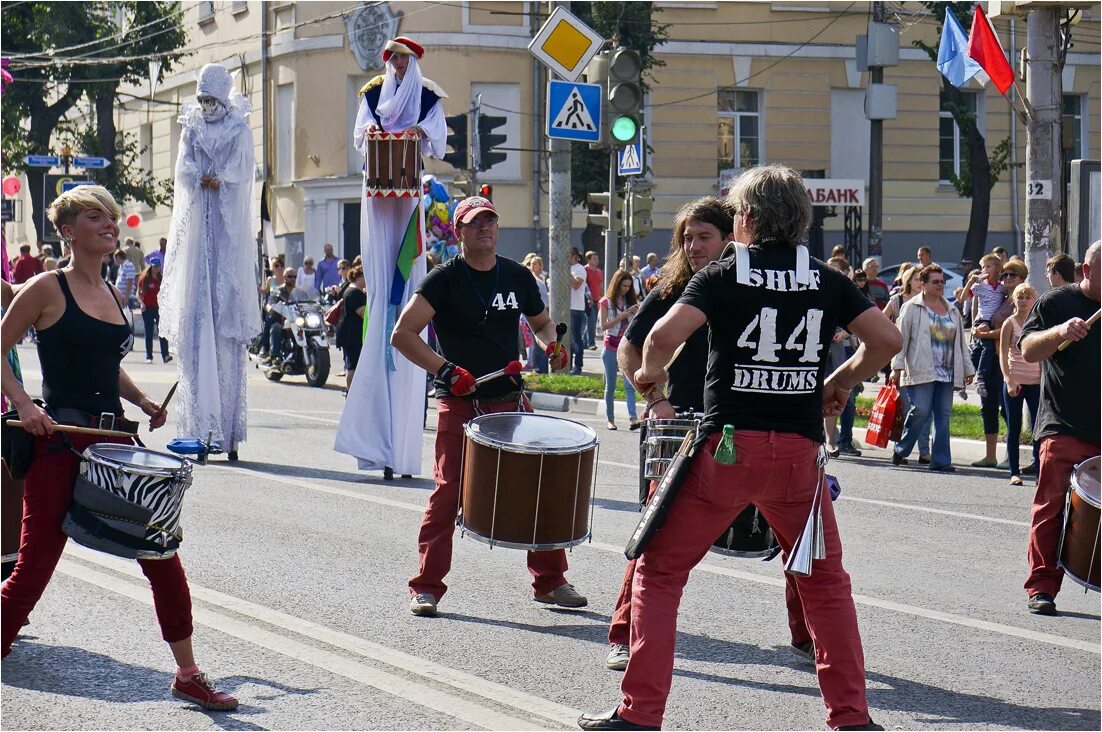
557 357
456 379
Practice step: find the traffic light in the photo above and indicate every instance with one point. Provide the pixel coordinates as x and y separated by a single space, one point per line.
602 219
457 141
486 191
642 207
597 73
625 96
487 156
465 187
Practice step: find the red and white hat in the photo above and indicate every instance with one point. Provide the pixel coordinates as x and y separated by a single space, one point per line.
402 45
470 207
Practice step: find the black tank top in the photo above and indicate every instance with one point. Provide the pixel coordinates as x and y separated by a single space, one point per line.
80 357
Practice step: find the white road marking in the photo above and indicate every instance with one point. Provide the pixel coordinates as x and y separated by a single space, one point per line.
429 696
904 608
943 512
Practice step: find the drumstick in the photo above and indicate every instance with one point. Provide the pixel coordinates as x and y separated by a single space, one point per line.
511 369
1090 322
164 404
79 430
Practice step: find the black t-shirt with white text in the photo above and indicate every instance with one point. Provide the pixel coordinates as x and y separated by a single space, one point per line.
769 341
686 373
478 314
1070 390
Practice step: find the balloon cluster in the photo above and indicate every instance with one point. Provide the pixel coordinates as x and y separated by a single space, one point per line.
441 242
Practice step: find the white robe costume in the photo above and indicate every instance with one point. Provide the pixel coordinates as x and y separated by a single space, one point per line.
209 305
383 418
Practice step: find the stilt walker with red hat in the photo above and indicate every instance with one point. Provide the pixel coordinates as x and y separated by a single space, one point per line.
382 423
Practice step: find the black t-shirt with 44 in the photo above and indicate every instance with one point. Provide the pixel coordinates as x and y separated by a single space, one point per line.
769 340
1070 390
478 314
686 390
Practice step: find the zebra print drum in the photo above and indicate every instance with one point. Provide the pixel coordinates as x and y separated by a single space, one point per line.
127 501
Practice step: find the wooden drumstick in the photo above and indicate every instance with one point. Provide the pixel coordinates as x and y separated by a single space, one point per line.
1090 322
80 430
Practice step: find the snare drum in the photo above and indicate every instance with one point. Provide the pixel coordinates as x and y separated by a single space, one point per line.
748 537
527 481
664 436
1079 540
127 501
392 164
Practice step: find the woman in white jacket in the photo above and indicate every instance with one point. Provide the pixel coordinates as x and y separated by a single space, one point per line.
932 363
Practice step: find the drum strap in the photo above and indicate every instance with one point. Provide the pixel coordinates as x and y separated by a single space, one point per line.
742 264
96 526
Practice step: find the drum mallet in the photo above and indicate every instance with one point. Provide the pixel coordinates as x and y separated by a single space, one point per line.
1090 322
80 430
511 369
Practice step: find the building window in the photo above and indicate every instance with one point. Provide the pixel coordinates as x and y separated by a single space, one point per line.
953 150
206 11
145 147
239 6
739 130
1073 132
284 134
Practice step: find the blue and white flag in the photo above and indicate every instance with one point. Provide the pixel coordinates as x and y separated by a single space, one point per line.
953 60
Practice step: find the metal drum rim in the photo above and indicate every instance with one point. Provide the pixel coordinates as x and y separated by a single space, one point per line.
180 473
1079 490
528 546
479 438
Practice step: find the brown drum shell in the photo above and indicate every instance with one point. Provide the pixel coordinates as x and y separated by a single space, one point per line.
392 166
11 516
1079 554
561 516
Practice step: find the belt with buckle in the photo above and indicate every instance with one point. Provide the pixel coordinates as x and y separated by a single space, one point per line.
102 421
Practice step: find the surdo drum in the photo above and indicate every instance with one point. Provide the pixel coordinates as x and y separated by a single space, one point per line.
1079 540
127 501
527 481
392 164
749 535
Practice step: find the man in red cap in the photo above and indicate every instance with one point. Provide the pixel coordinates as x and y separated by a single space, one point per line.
474 302
383 423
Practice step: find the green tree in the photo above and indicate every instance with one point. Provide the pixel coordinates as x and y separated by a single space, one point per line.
63 52
980 171
630 25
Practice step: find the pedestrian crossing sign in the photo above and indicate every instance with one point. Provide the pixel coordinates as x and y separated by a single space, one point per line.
629 161
573 111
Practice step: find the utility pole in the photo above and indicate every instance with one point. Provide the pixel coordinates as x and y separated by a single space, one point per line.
560 214
1044 152
876 157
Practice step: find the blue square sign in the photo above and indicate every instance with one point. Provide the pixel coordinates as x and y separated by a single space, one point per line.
573 111
629 161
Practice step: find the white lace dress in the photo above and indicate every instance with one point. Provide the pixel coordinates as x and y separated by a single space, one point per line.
209 302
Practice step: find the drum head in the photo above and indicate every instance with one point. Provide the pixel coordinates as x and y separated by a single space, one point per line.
135 458
1087 482
535 433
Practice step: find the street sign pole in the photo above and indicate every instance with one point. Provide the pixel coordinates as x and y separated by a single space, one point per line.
610 248
559 231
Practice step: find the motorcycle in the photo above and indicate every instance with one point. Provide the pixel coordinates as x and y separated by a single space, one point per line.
305 344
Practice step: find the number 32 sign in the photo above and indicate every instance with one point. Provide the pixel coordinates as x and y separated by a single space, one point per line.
1039 189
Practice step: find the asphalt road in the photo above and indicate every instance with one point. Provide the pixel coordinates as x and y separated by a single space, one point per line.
298 566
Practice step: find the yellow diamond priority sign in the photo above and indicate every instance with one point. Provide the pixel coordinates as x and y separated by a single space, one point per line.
565 44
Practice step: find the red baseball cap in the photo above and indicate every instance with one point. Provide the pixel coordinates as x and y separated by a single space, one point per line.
470 207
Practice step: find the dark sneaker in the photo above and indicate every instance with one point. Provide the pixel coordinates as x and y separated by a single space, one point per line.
199 690
618 656
847 448
1042 604
870 726
610 720
947 468
805 650
898 459
563 596
923 459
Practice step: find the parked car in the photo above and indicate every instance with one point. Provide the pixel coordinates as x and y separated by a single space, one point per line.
953 278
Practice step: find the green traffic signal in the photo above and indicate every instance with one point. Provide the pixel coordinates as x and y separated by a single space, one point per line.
624 129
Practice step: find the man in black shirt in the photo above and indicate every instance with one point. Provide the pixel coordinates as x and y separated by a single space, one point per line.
1067 421
771 312
474 302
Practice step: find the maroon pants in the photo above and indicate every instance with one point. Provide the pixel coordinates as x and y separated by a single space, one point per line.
434 543
619 630
1059 456
47 493
776 472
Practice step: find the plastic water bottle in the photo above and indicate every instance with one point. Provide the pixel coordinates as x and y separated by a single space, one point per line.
725 450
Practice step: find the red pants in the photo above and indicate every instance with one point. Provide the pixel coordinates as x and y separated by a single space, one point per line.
434 543
777 473
1059 456
47 493
619 630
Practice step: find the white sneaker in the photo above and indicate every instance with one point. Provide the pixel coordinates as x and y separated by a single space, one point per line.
618 656
149 360
564 596
423 604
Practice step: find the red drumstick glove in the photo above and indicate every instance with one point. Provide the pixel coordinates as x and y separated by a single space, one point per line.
557 357
456 379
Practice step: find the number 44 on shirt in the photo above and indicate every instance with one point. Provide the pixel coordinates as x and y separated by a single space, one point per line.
767 344
502 303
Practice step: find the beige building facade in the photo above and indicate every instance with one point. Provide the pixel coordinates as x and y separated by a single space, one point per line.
742 83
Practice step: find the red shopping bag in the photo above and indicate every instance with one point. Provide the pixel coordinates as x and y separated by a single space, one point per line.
883 416
900 419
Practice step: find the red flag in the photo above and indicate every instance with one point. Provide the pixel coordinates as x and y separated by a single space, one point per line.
984 47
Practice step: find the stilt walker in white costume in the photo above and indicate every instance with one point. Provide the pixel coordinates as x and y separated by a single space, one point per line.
208 298
384 414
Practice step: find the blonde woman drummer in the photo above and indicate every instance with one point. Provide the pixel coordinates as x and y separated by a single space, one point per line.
83 333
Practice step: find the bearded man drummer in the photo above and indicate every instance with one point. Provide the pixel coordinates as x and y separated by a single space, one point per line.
474 302
771 311
702 229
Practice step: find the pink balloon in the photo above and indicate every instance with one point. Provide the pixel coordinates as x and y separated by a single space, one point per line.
12 186
133 221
